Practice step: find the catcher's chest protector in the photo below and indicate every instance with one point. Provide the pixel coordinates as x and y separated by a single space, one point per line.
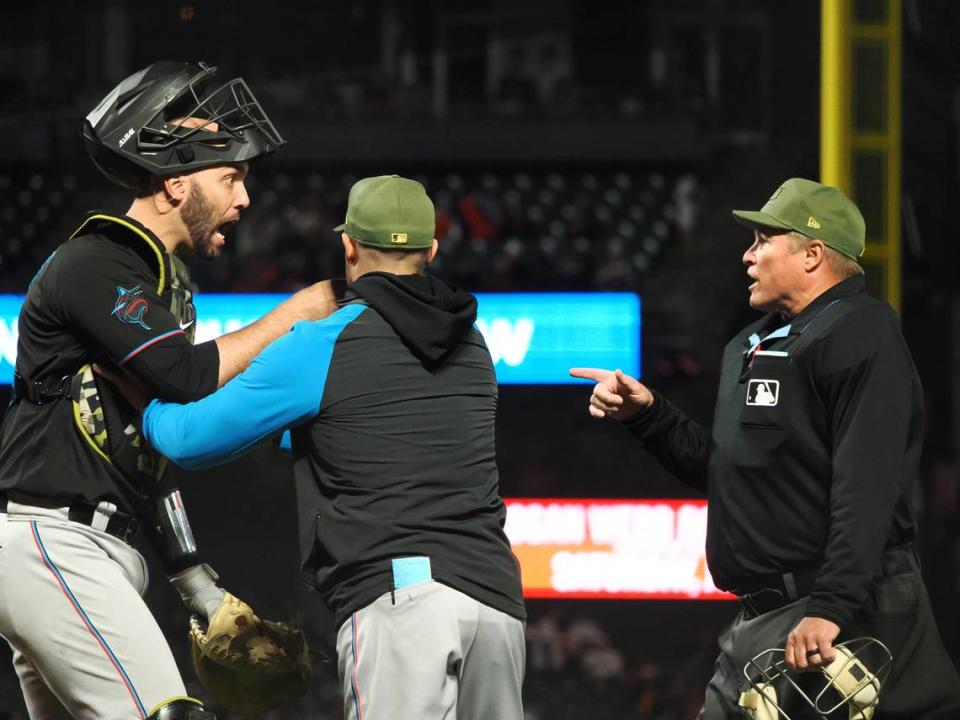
99 413
173 277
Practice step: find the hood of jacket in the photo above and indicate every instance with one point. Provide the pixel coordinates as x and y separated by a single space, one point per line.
431 316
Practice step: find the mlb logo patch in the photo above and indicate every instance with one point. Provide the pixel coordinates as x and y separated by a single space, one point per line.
765 393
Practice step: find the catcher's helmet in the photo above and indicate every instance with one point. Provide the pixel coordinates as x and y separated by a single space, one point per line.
138 129
852 681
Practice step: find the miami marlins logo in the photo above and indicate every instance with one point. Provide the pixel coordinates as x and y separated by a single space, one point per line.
131 306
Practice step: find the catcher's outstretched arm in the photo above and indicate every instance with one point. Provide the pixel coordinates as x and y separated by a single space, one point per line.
167 529
171 536
199 590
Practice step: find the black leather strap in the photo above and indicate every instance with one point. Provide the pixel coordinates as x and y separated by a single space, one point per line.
120 524
777 591
41 391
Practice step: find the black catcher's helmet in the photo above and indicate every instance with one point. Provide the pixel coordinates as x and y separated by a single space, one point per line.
137 130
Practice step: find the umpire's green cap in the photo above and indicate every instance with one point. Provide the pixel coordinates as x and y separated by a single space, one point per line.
811 209
390 211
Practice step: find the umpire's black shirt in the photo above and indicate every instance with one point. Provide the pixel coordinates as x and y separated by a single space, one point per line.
815 445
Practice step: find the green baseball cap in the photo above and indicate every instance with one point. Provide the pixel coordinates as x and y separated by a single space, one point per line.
390 211
811 209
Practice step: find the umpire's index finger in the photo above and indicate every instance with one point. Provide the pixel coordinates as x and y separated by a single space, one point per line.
596 374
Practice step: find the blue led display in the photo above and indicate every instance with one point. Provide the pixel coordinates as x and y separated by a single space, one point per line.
534 338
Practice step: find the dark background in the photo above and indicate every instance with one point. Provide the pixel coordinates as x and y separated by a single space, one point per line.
568 144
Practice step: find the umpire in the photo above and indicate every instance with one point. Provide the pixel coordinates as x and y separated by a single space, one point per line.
813 455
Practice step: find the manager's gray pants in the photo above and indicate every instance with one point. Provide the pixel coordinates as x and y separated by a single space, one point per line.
429 652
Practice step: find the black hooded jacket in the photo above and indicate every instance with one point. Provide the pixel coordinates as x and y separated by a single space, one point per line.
430 316
400 459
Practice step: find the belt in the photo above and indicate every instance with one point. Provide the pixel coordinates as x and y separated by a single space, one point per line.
776 591
101 516
43 390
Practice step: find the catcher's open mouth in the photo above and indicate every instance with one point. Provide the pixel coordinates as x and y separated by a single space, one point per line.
221 232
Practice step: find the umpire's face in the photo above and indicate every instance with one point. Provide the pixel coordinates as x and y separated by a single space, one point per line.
776 267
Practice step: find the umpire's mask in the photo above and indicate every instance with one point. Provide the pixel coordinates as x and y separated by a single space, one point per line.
854 679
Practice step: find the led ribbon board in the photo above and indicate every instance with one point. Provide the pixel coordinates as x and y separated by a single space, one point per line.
611 549
534 338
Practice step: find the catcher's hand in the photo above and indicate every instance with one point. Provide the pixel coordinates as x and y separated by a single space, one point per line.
249 665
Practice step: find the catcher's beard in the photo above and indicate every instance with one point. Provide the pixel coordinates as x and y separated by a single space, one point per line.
201 220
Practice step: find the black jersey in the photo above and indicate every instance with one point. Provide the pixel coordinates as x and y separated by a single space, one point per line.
814 451
106 295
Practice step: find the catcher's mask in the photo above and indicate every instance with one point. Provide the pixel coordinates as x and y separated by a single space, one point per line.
853 680
140 129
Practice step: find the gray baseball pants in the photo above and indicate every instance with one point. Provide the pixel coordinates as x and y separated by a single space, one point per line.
84 643
429 652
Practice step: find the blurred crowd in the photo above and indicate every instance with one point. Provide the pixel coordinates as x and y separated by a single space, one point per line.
498 230
577 668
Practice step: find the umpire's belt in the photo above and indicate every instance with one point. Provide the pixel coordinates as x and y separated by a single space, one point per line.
102 516
776 591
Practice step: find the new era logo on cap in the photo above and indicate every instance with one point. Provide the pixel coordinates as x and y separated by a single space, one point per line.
838 222
765 393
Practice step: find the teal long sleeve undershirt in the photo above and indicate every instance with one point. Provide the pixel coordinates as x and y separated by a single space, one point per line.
283 386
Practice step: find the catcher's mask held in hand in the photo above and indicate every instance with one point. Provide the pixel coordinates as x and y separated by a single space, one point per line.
249 665
853 679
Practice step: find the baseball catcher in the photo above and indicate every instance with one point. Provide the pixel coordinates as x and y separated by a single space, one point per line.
77 480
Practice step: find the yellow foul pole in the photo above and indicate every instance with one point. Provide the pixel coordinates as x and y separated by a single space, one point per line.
835 94
860 145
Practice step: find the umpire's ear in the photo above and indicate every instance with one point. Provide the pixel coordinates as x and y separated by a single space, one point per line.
433 250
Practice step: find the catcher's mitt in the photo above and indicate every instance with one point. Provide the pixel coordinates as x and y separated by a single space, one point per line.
247 664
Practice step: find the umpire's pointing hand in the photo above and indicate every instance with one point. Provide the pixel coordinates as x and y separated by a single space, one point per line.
616 394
